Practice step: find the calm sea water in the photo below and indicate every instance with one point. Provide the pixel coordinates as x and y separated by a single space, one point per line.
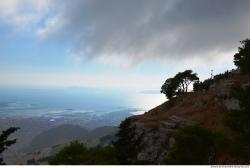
63 102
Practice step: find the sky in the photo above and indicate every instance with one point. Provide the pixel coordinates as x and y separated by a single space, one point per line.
117 44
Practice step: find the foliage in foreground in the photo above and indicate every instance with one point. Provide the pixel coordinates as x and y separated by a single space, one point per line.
239 121
77 153
126 147
195 145
242 58
4 142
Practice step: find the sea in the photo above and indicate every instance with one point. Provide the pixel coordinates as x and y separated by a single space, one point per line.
73 102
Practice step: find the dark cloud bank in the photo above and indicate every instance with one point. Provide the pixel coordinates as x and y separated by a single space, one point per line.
140 29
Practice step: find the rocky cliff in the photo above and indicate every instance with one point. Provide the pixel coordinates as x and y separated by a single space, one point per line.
149 137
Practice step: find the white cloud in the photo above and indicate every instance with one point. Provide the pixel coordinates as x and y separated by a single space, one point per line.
52 25
23 14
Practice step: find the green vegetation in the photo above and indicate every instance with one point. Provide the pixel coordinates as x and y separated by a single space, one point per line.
126 148
178 84
239 121
4 142
242 58
195 145
77 153
200 86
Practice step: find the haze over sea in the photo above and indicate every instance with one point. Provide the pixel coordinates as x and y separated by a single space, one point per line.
72 102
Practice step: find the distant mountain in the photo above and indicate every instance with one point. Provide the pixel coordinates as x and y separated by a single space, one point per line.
150 92
101 132
67 133
113 118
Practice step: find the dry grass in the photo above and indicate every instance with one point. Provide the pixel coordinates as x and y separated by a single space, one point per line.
206 109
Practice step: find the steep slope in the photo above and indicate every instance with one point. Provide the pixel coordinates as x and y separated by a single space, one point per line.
207 109
149 137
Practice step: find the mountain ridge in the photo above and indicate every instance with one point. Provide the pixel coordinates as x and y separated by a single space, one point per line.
152 133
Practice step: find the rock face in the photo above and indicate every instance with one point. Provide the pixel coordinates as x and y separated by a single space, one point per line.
232 104
147 143
156 142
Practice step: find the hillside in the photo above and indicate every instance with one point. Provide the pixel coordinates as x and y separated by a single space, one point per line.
152 134
206 109
67 133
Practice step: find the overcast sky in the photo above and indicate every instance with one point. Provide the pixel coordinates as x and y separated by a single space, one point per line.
132 44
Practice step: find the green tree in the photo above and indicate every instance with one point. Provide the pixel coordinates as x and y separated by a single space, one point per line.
242 58
169 88
77 153
126 146
178 84
195 145
4 142
185 79
239 119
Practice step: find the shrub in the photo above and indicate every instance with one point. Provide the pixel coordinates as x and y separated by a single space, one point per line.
239 119
205 85
4 142
77 153
242 58
126 146
240 147
195 145
200 86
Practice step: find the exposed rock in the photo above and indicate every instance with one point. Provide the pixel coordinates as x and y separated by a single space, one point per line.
232 104
156 142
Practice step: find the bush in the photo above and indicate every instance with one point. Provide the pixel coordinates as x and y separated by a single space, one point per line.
242 58
195 145
239 119
240 147
126 147
4 142
200 86
205 85
77 153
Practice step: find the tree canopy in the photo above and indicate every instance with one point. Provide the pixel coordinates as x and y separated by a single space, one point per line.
242 58
77 153
239 119
178 84
4 142
195 145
